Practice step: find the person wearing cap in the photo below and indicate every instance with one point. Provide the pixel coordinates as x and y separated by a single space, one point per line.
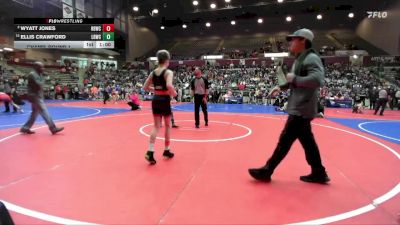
35 95
304 81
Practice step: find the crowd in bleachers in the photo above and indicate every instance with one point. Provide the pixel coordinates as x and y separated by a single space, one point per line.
250 83
242 53
282 46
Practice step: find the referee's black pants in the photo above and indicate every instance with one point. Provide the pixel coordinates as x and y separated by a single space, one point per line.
297 127
198 101
381 104
106 97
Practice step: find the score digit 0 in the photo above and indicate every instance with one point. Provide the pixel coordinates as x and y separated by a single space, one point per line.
108 27
108 36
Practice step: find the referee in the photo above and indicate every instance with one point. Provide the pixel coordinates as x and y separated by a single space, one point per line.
199 86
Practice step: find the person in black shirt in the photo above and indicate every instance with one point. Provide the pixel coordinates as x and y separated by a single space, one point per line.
199 86
160 81
106 95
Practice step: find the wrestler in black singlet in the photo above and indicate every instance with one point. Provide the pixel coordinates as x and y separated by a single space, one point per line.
161 104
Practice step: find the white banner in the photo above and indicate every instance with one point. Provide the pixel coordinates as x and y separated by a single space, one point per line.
80 14
350 52
383 58
68 11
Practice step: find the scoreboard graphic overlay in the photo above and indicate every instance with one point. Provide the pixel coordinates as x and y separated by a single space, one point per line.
64 33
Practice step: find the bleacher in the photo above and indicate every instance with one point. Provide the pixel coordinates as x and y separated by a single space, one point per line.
392 73
63 78
348 38
190 48
195 48
321 39
245 43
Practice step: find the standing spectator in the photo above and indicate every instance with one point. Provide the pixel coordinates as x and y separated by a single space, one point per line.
93 92
392 98
59 92
76 92
372 98
66 92
180 93
397 97
106 94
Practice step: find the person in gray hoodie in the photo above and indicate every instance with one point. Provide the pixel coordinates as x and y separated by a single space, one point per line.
36 97
304 81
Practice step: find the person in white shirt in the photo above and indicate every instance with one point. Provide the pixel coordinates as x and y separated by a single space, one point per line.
382 101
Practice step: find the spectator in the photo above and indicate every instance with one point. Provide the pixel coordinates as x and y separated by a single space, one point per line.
134 101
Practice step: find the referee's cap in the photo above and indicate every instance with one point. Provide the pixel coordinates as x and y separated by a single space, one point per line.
303 33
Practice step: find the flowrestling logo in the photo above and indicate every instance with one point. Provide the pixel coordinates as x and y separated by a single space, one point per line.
377 14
